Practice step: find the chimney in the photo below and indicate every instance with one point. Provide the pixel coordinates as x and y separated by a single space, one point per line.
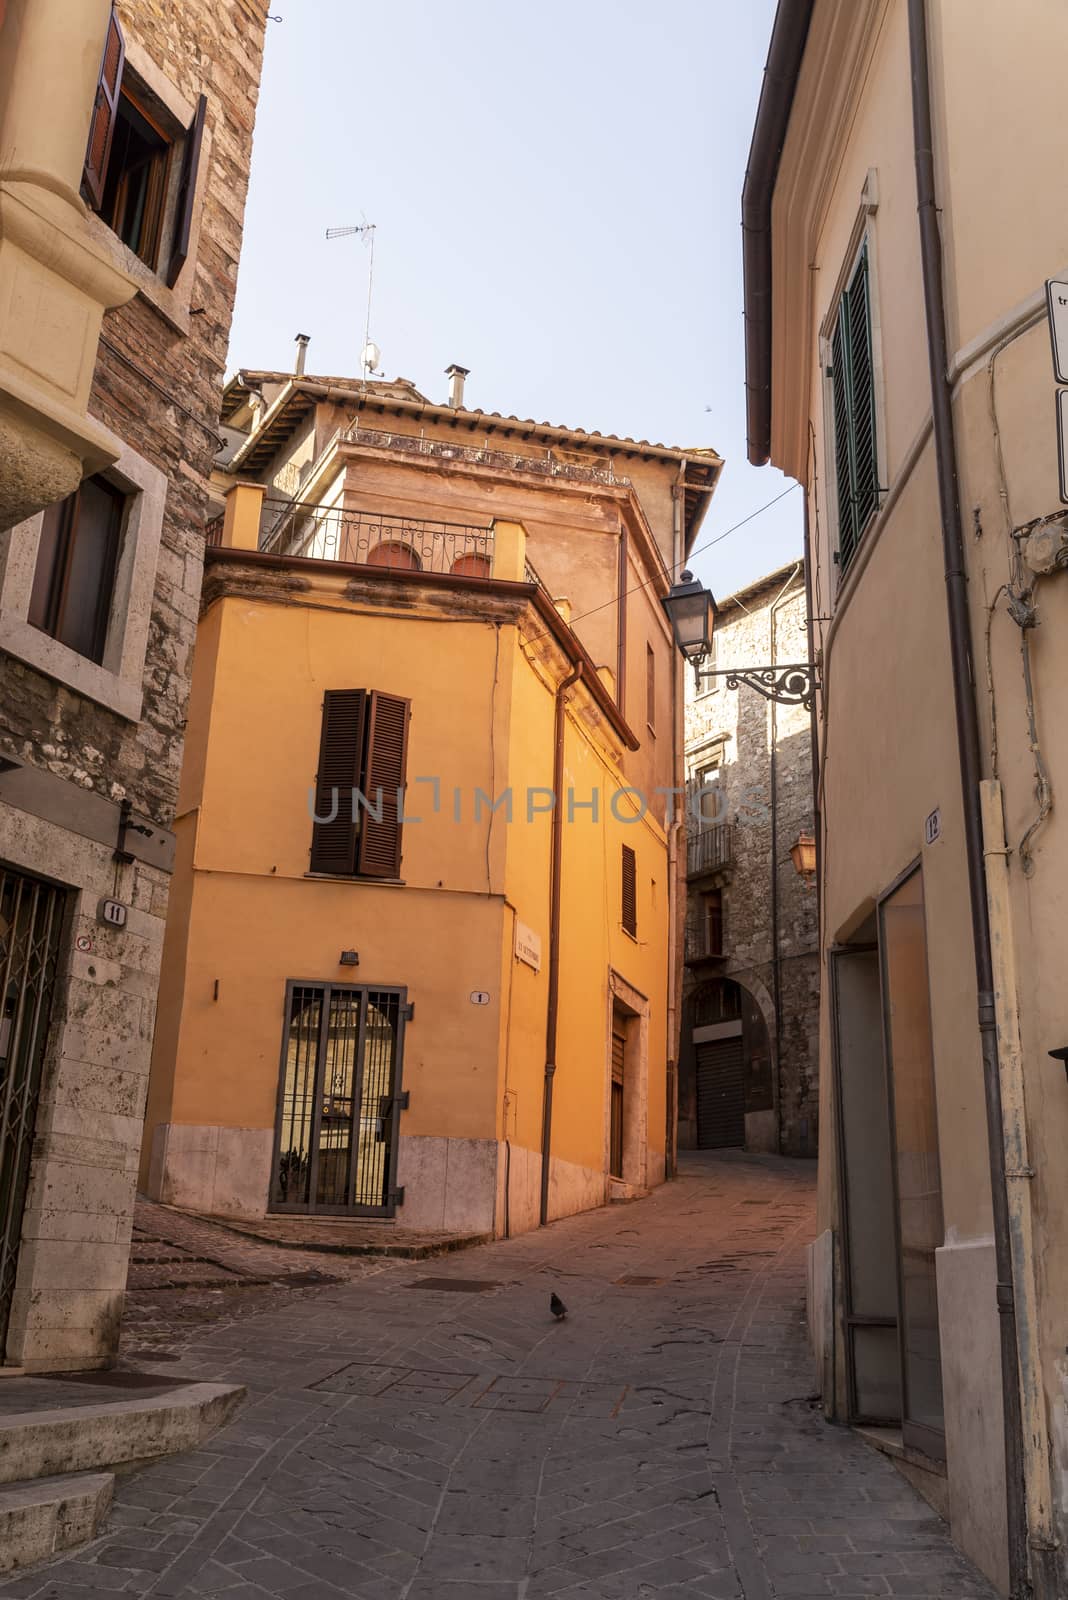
456 388
303 341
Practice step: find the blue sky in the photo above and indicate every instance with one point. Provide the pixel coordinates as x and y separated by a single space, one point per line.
556 191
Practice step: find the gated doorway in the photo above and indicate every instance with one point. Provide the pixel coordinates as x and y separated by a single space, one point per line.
339 1101
31 915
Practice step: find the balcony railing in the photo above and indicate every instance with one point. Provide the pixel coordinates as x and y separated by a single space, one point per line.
406 544
546 466
701 945
710 848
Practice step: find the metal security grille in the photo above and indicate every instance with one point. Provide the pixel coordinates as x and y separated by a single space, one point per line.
31 915
720 1094
336 1142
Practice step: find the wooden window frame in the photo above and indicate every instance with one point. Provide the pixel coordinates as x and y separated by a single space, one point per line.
171 203
363 843
50 620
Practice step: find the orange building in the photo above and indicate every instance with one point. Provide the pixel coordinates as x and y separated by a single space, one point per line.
399 1002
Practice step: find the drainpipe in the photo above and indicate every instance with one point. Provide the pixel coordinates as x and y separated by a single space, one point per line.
817 825
675 833
773 765
970 776
553 1006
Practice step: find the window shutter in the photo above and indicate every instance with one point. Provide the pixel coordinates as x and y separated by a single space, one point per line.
187 188
333 847
379 853
105 106
853 385
630 891
650 686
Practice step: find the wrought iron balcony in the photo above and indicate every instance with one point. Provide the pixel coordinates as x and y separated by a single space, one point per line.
546 466
709 848
702 945
405 544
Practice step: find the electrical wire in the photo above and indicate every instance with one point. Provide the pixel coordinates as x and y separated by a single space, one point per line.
673 568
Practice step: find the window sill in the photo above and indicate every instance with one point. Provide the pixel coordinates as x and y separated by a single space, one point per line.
633 937
172 306
347 877
650 730
66 666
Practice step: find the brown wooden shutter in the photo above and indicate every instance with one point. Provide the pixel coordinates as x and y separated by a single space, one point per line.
333 847
630 891
105 106
187 188
379 853
650 686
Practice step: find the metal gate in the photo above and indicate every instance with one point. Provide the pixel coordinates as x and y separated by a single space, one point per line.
31 915
720 1094
339 1100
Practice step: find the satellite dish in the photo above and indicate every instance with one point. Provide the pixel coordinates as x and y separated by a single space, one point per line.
372 356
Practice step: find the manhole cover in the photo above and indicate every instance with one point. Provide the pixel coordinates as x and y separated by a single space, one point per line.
456 1285
634 1281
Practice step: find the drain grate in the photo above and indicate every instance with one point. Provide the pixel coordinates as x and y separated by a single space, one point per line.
455 1285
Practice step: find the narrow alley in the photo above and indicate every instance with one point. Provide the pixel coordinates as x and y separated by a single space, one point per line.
429 1432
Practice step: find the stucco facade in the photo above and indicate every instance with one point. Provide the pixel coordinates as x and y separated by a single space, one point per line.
503 588
110 371
749 789
907 1179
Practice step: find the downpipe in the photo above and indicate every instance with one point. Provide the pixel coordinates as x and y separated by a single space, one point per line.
552 1010
1019 1174
967 720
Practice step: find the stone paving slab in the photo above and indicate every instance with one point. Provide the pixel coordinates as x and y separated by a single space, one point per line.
662 1441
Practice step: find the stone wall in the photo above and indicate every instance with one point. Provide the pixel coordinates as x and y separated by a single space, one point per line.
767 796
157 386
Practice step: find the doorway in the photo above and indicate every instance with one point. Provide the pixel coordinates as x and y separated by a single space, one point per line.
339 1100
31 916
890 1180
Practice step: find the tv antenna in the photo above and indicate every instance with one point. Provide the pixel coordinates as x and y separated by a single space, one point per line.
371 355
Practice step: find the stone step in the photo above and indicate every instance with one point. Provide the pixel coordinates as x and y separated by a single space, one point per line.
49 1427
41 1518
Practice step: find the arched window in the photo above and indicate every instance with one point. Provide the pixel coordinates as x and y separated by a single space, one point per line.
394 553
471 565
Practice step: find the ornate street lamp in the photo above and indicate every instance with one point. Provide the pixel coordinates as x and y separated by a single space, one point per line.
692 612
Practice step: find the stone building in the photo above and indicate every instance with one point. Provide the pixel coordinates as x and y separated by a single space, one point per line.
120 231
750 1016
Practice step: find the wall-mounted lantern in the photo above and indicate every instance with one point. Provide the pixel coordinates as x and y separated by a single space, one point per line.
803 855
692 613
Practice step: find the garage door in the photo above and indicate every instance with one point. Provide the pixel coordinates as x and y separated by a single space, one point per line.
720 1094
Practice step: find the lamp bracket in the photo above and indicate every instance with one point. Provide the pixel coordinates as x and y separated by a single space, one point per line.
792 685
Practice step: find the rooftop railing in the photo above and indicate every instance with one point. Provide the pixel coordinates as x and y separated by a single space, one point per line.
408 544
546 466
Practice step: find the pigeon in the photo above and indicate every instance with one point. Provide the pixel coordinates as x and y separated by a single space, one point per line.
557 1307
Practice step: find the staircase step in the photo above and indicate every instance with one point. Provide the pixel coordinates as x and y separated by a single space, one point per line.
49 1427
39 1519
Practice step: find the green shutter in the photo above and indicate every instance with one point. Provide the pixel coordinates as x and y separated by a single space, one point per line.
853 391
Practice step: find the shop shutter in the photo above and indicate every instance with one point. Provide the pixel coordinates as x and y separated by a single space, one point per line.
106 104
630 891
187 188
720 1094
379 851
333 847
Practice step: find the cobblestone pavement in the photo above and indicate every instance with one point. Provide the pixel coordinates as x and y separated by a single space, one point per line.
430 1433
187 1274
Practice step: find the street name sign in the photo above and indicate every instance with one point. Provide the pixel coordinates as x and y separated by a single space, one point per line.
1057 301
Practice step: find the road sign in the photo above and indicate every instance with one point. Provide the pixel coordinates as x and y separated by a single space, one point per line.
1057 301
1062 441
